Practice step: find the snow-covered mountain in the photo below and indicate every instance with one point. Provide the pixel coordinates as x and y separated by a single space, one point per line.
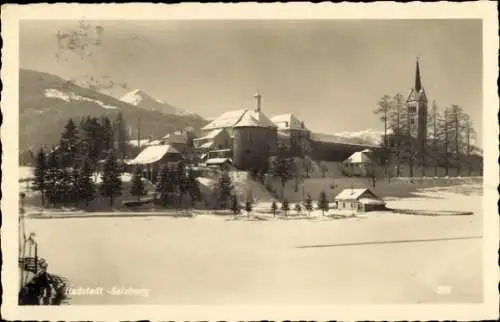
365 137
46 102
372 137
142 100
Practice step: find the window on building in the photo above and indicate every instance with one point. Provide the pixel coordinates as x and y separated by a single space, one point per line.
412 121
286 124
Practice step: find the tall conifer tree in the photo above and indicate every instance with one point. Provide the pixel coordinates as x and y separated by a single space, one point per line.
40 174
68 145
137 189
111 185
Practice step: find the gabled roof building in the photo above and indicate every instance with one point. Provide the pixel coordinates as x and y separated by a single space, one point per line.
362 199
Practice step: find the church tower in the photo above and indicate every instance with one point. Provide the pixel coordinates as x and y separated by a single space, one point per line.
416 105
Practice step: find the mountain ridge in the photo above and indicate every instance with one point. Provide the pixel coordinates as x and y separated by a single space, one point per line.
47 101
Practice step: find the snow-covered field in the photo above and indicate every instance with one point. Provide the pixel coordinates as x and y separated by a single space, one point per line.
375 258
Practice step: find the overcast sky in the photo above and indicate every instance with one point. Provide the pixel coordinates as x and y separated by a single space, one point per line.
329 73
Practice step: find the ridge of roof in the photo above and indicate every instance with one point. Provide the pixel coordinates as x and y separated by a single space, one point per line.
247 121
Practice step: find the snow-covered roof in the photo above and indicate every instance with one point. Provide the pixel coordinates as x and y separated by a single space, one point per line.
261 118
227 119
153 154
354 194
207 145
247 121
206 181
287 122
232 118
212 134
358 157
215 161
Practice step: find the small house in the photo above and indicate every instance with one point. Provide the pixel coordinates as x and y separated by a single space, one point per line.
152 158
359 163
362 200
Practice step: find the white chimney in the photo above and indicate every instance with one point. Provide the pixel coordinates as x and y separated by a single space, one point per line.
257 97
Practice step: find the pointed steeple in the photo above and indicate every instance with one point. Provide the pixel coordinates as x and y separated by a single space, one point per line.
418 82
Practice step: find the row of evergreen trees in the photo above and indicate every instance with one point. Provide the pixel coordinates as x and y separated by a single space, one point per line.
72 185
67 173
92 140
323 205
64 174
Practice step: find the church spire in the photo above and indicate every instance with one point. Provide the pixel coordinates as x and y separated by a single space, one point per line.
418 82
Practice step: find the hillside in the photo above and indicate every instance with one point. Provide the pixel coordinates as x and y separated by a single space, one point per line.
48 101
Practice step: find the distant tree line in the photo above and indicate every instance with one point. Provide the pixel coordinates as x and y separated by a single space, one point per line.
448 142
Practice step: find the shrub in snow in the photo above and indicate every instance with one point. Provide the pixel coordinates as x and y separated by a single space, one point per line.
235 206
323 203
274 207
248 206
225 188
308 203
137 189
285 206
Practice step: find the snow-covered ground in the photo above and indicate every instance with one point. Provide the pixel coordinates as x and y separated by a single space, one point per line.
375 258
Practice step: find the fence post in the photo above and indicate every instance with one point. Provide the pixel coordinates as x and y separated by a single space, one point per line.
36 257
